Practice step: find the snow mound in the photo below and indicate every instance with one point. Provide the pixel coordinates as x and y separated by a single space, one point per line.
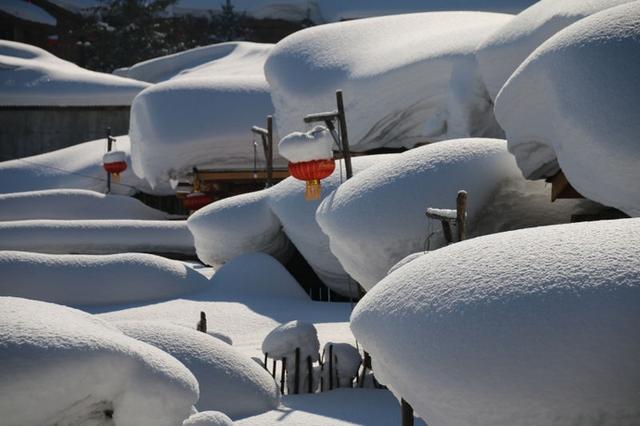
407 79
535 326
85 280
230 382
571 119
316 144
78 166
73 204
237 225
232 58
208 418
255 275
283 341
505 49
27 11
378 217
32 76
63 366
346 363
202 118
97 236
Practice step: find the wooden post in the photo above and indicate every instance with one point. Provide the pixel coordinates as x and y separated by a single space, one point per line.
296 384
344 137
284 367
202 324
266 367
407 413
310 373
461 214
269 150
109 147
273 373
330 367
446 230
366 363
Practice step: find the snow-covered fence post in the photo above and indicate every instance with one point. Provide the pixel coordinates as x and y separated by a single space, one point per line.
310 373
110 140
461 214
284 367
296 386
331 367
273 373
202 324
266 356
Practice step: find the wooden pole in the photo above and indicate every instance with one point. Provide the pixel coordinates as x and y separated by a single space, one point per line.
366 363
296 385
266 367
202 324
109 147
269 150
310 373
446 230
330 367
284 367
407 413
273 373
461 214
344 137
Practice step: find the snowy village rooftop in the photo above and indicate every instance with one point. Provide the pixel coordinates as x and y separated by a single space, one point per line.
292 212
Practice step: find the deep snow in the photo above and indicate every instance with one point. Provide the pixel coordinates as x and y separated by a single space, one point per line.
581 108
530 327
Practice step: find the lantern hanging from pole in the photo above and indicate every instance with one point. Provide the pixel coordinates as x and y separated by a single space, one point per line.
115 162
196 200
312 172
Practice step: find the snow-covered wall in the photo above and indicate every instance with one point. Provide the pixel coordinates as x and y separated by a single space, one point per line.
574 105
531 327
406 79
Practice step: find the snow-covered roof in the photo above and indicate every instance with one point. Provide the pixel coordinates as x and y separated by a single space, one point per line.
34 77
573 105
406 79
536 326
503 51
27 11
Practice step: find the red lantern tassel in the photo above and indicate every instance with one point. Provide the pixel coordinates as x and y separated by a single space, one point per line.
312 190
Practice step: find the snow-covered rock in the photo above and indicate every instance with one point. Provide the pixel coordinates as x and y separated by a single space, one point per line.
232 58
73 204
202 118
378 217
78 166
537 326
97 236
230 382
208 418
572 105
86 280
505 49
32 76
406 79
63 366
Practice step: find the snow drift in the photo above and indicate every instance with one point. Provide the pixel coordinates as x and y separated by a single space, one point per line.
85 280
32 76
73 204
96 236
407 79
378 217
202 118
63 366
78 167
208 418
536 326
572 105
230 382
503 51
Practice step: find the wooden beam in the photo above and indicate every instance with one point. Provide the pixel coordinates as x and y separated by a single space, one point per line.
561 188
240 175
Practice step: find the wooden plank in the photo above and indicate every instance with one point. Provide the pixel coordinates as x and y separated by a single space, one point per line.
461 214
561 188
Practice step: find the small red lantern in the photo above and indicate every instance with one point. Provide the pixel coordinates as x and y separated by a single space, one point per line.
312 172
114 162
196 201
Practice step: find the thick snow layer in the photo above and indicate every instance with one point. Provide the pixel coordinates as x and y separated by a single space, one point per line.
62 366
503 51
202 118
232 58
230 381
346 362
572 105
283 340
316 144
78 166
86 280
97 236
27 11
256 222
262 277
407 79
237 225
378 217
339 407
73 204
208 418
32 76
531 327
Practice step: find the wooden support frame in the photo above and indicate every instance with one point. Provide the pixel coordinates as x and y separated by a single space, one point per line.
446 218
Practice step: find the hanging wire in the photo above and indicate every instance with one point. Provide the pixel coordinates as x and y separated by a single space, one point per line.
255 157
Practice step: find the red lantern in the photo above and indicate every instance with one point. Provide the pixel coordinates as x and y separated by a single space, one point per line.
312 172
114 162
196 201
